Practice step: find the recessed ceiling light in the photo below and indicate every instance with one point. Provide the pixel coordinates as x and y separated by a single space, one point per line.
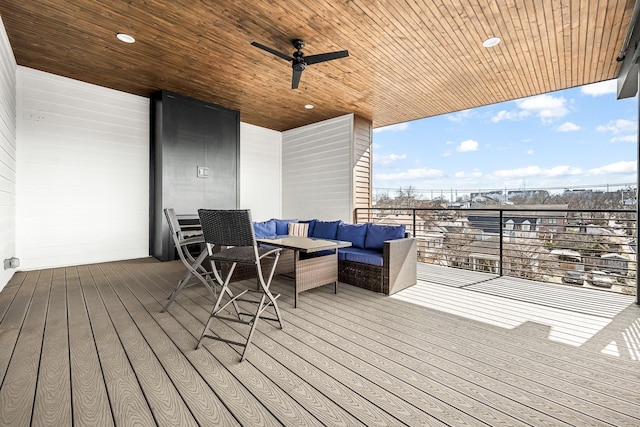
125 38
308 106
491 42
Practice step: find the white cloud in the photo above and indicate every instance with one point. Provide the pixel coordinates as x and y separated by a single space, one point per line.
392 128
474 174
563 170
531 171
387 159
627 138
509 115
530 152
461 115
568 127
547 107
411 174
614 168
468 145
447 153
518 173
602 88
618 126
544 106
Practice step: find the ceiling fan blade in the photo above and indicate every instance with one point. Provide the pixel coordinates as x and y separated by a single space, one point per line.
272 51
295 78
322 57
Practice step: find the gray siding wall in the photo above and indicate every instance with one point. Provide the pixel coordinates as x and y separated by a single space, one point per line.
317 170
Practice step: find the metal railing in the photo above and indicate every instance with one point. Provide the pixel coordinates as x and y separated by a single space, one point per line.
590 248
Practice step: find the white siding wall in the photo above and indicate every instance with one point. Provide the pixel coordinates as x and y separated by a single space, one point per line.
260 171
83 172
7 154
317 170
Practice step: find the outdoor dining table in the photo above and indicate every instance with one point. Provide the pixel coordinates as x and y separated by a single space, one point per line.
314 270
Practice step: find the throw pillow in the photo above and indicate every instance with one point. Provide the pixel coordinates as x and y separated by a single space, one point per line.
264 229
312 223
282 225
326 229
298 229
377 234
353 233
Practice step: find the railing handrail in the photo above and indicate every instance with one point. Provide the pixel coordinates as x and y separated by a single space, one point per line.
525 246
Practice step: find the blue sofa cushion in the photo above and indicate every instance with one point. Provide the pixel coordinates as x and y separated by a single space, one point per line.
378 233
282 226
366 256
325 229
312 223
264 229
353 233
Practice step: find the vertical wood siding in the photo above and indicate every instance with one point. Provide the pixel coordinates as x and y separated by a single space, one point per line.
7 154
260 171
362 163
83 172
317 170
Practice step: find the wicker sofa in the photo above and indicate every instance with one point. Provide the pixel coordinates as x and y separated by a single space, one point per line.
382 258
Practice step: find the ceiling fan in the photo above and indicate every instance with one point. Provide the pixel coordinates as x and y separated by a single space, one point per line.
298 61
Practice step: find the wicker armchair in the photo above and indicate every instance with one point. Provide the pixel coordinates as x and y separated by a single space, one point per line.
398 271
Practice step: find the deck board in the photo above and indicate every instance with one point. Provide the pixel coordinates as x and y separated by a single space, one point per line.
9 293
127 401
453 366
450 349
18 389
167 405
52 404
90 399
89 345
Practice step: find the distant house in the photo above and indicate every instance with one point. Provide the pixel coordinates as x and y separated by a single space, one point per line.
530 218
519 256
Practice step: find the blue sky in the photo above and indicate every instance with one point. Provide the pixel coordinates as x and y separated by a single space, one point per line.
570 139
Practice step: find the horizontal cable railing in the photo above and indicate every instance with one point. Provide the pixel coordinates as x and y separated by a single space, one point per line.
590 248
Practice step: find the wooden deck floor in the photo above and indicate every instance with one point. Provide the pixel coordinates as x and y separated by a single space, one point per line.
89 346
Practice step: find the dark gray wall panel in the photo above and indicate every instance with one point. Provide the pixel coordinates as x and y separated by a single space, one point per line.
188 133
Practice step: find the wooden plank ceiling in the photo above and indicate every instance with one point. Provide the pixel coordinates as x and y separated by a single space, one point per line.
408 59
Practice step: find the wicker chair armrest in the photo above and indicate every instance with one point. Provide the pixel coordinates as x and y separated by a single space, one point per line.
400 264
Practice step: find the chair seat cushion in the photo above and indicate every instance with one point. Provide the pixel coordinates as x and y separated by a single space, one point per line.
365 256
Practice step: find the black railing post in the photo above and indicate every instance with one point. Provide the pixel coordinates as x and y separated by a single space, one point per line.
414 223
501 241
